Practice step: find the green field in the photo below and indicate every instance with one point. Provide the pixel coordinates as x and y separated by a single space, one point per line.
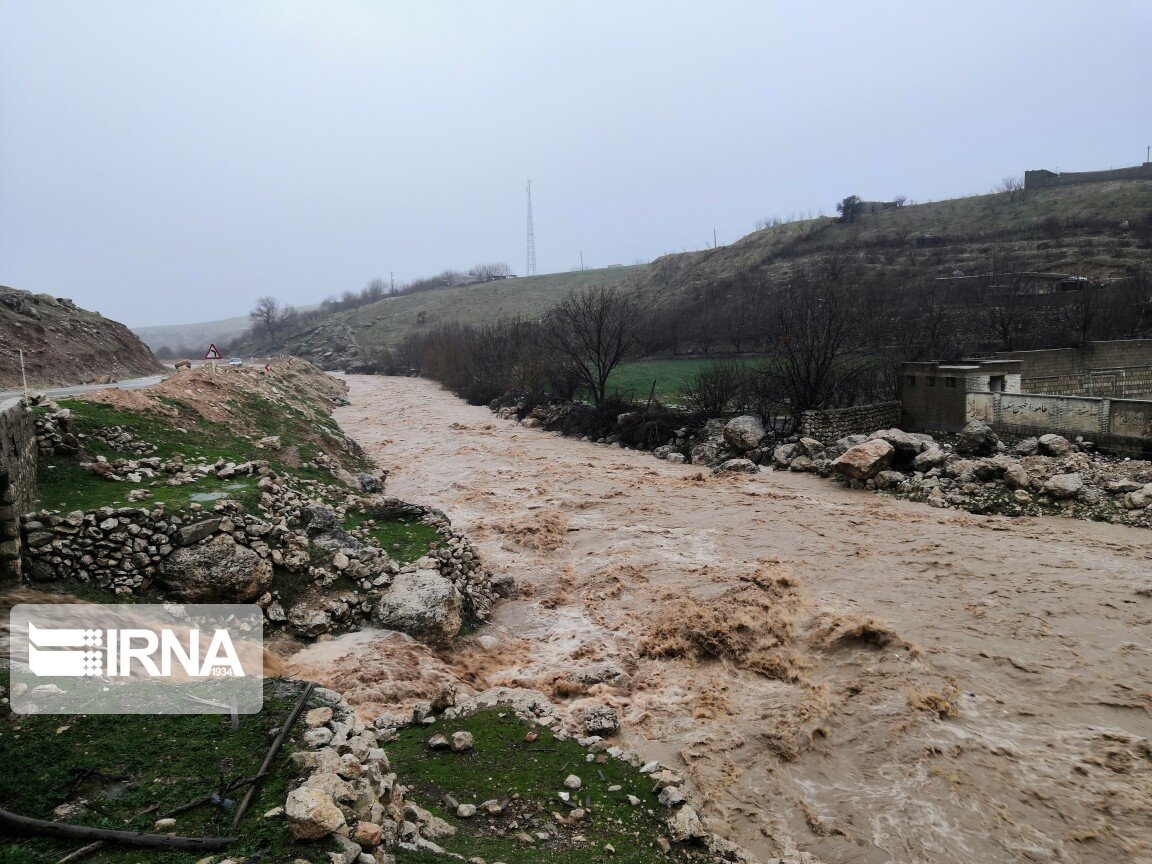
634 380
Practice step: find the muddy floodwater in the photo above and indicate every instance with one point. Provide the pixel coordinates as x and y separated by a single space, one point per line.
866 679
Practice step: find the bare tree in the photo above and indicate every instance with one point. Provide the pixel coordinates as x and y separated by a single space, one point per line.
1012 188
593 328
823 337
266 314
716 389
488 272
1084 306
1004 311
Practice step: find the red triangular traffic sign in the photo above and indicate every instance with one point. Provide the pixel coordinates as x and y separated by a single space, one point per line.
213 353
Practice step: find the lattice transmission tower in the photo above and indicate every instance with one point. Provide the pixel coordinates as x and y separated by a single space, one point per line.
530 264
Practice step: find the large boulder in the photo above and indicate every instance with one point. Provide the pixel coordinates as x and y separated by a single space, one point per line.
864 461
744 433
1056 445
312 813
1016 477
810 447
907 446
423 604
784 454
1139 498
977 439
740 466
705 453
843 444
888 479
933 457
189 535
1064 485
221 571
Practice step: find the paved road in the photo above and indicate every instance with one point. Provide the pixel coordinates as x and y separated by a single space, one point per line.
58 392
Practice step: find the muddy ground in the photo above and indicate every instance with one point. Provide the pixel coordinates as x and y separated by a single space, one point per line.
868 679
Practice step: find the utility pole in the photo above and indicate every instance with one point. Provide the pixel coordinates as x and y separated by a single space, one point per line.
530 263
391 283
581 259
713 238
24 376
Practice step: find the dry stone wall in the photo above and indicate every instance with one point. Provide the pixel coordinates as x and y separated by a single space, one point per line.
836 423
17 481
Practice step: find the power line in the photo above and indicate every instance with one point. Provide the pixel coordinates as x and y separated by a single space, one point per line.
530 264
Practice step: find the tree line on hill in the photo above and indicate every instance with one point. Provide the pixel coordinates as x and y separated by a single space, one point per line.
271 320
832 335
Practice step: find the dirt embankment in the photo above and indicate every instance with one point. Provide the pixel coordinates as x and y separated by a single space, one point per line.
64 344
871 680
293 399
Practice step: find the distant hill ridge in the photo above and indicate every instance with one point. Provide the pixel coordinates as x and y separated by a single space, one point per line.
1100 230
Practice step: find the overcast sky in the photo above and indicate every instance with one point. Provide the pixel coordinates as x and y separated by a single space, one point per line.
169 162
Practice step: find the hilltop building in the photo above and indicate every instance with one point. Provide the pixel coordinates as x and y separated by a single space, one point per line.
1043 179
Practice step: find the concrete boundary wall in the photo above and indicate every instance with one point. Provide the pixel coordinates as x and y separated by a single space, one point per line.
1120 425
1043 179
18 456
1117 368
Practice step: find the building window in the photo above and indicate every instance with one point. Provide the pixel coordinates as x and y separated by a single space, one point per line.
930 381
910 380
949 382
996 383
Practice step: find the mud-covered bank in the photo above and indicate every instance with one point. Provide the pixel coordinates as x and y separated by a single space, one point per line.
870 679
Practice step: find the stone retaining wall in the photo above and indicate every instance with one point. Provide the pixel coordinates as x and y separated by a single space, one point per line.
836 423
17 481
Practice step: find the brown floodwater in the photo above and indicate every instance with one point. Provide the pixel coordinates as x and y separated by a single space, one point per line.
863 678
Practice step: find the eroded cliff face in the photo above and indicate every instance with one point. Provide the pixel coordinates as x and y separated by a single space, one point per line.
64 344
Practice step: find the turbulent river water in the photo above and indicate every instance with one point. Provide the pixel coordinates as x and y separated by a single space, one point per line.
866 679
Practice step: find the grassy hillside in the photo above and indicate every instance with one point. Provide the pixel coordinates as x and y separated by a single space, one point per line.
344 337
1072 229
389 320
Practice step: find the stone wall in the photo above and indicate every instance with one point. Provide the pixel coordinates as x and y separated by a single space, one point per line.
835 423
1120 368
17 481
1043 179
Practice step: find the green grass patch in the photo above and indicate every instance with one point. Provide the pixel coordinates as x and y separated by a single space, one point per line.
64 485
503 764
672 377
404 539
131 769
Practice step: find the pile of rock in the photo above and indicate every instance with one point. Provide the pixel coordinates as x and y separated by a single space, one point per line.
54 432
349 790
982 474
739 444
123 440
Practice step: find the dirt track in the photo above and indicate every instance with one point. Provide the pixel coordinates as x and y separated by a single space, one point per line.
874 680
